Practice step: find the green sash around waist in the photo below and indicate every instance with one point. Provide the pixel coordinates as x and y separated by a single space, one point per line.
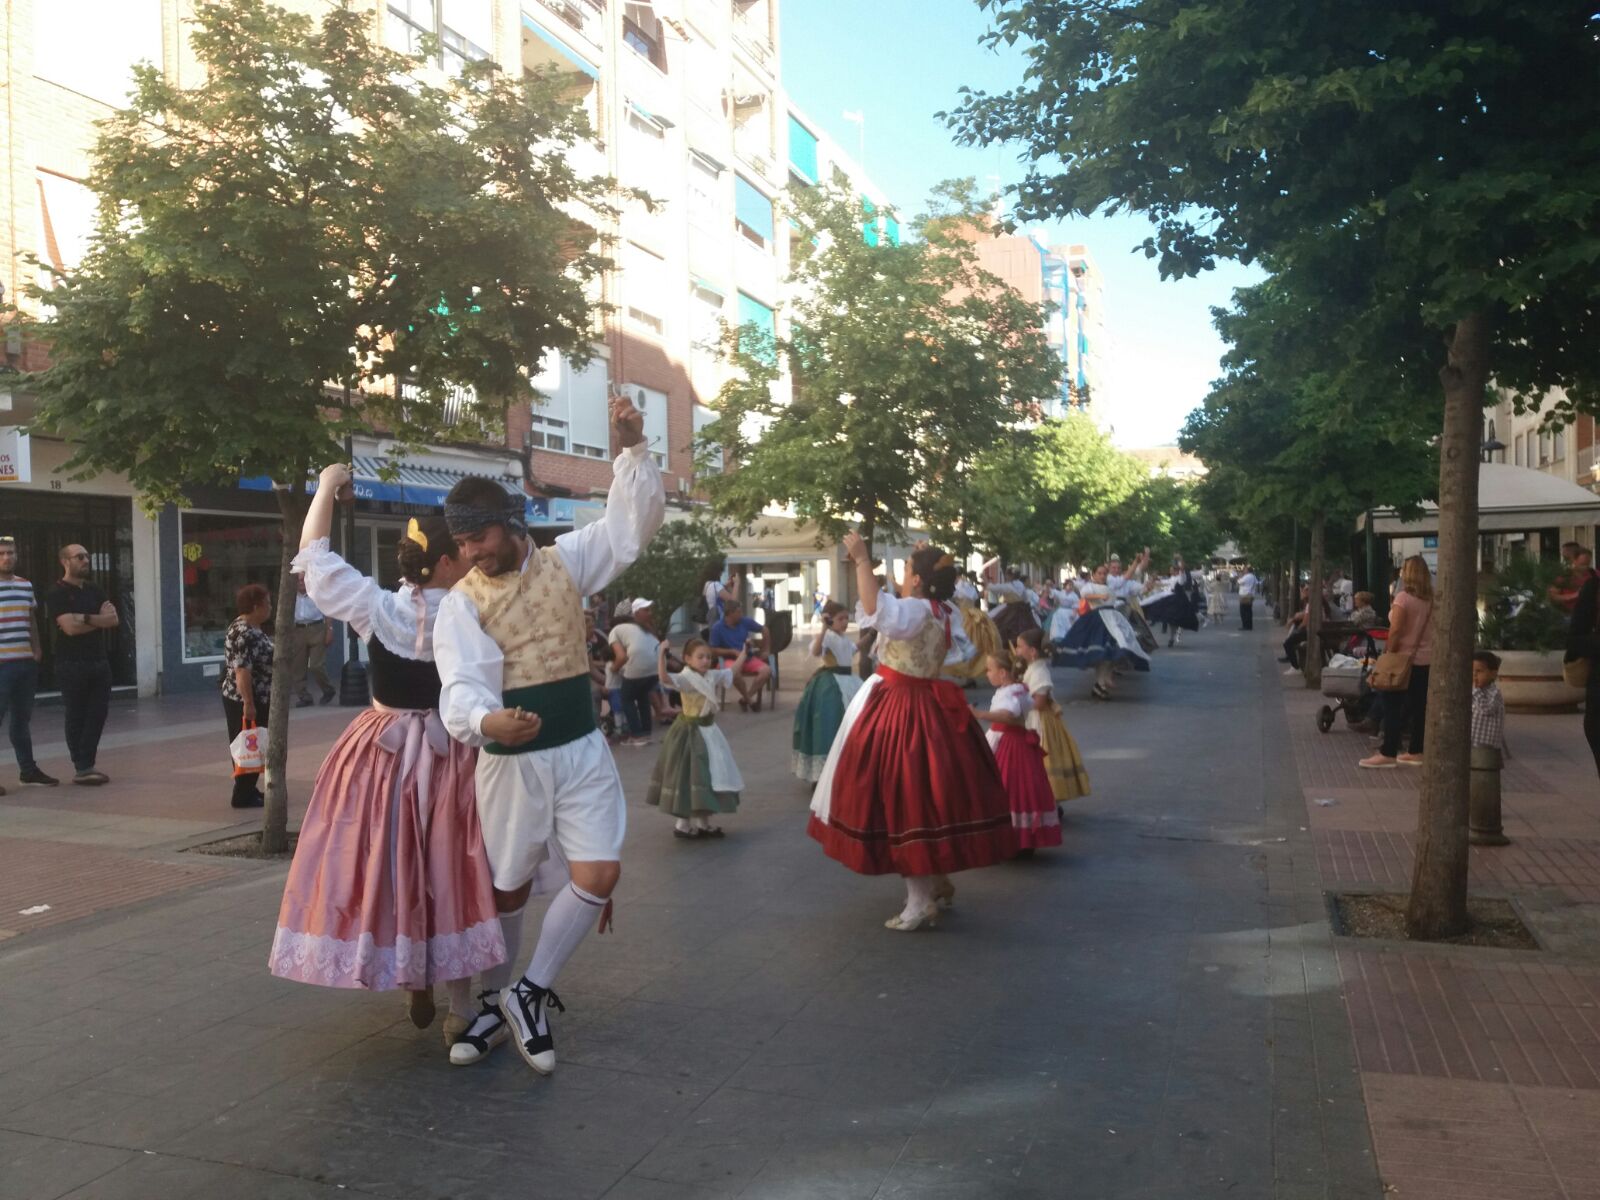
565 709
702 719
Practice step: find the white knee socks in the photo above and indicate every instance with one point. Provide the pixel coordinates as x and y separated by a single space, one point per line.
572 914
497 978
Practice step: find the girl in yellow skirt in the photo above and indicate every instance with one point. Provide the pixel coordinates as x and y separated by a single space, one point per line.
980 631
1069 779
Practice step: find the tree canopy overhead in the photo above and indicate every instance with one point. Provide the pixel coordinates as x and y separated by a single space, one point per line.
900 363
313 219
1453 148
314 213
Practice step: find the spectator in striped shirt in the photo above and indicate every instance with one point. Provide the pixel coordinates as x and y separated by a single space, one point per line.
20 652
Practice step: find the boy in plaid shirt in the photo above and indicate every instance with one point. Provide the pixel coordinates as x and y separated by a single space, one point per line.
1488 705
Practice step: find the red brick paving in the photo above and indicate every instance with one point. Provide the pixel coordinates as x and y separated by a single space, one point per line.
1533 1024
1439 1139
1481 1070
76 880
1348 857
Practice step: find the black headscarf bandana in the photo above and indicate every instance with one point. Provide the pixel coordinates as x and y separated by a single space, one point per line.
470 518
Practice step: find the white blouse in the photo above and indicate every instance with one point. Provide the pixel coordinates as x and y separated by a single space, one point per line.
705 686
841 647
1012 700
470 663
1037 677
402 619
1096 594
899 619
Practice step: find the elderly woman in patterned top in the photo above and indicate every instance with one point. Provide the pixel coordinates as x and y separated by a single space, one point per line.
247 679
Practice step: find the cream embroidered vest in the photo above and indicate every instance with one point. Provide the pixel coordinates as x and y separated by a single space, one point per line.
535 616
922 654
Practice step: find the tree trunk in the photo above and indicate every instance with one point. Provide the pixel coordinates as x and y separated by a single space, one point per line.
1438 906
1292 597
275 817
1313 659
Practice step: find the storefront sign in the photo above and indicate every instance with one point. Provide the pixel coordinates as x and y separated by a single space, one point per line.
16 457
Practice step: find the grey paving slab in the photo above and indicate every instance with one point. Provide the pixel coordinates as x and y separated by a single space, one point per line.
41 1168
1151 1011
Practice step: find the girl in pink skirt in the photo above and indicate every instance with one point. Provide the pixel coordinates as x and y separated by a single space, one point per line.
390 887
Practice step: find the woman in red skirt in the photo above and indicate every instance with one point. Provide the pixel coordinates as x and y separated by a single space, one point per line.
910 786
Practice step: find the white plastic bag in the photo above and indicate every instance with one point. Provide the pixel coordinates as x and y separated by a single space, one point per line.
249 750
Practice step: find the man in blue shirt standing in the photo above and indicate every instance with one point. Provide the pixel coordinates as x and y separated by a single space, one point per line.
728 637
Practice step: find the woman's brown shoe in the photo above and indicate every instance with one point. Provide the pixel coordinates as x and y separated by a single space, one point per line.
420 1008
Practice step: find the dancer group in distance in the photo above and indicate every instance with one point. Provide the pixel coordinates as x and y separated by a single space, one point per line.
479 777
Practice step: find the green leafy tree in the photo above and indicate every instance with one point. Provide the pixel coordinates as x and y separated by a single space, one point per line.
900 364
1455 142
311 222
1288 431
673 568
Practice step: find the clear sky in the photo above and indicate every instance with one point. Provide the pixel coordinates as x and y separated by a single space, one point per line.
901 61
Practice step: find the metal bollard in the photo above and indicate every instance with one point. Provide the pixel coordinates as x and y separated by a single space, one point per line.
1483 818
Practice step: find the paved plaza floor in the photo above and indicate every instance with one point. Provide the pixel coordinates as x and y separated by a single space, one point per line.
1157 1009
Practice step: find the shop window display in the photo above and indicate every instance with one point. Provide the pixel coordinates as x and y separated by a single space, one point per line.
221 553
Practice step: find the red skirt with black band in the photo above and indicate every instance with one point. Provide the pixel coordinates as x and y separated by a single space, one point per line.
916 790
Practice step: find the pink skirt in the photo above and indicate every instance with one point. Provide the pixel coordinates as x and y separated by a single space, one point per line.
1033 804
390 886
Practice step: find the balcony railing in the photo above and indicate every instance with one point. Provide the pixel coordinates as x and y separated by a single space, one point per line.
458 401
755 41
585 16
755 159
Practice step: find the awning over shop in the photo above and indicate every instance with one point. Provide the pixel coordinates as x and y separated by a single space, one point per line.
408 483
1510 500
561 511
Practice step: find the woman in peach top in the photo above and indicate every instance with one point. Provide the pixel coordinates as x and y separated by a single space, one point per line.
1410 631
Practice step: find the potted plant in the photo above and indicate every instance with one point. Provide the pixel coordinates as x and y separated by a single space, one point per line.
1528 631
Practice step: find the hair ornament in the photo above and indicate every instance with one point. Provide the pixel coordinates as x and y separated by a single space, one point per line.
414 533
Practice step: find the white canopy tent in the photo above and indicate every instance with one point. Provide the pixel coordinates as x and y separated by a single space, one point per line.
1510 500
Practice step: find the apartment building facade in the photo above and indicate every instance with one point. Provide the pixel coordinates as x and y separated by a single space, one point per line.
687 103
1066 278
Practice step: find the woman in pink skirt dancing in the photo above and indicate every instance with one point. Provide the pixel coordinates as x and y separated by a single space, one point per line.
390 887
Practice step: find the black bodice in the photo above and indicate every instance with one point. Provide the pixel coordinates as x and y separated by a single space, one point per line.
401 682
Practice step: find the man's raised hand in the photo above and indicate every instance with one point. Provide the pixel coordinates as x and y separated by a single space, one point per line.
627 420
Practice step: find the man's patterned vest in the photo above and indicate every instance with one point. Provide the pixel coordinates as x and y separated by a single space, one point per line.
535 616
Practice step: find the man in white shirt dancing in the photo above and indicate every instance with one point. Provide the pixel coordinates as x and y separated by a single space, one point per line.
512 657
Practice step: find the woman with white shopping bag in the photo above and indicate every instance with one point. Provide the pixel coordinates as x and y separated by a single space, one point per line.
247 688
390 887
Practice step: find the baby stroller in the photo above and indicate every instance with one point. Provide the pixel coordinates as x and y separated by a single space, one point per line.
1347 685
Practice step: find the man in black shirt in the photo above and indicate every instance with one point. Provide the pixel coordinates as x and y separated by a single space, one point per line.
81 614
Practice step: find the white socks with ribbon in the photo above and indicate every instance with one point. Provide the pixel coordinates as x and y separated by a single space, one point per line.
572 914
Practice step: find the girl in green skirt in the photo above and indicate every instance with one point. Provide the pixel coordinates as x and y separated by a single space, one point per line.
827 695
696 775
